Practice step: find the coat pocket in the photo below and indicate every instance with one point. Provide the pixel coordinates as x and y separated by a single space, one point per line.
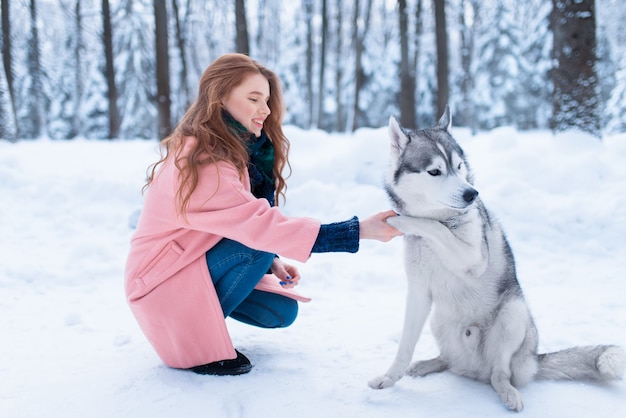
163 265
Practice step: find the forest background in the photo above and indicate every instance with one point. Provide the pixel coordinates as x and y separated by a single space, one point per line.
103 69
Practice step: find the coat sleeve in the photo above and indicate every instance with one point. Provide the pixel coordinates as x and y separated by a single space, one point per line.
222 205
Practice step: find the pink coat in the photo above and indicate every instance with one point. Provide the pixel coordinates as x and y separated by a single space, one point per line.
168 285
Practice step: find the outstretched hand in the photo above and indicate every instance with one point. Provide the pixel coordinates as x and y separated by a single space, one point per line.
376 227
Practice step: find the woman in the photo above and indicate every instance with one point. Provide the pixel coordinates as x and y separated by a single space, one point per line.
209 235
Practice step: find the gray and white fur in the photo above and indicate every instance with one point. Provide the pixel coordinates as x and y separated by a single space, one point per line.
458 262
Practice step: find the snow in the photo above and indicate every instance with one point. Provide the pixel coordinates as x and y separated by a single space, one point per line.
71 348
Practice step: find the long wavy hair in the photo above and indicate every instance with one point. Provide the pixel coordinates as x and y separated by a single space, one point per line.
215 142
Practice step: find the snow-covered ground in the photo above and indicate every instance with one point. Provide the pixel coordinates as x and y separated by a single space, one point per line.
71 348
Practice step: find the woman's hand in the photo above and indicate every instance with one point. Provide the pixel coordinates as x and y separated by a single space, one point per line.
376 227
288 274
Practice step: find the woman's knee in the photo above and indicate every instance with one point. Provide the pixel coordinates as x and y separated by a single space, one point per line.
230 257
266 258
289 313
267 310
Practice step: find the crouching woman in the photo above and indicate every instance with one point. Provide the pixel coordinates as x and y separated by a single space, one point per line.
209 236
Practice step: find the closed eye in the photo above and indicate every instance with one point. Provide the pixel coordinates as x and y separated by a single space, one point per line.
434 172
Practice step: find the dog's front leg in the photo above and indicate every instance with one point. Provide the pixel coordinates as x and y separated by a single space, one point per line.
418 305
468 255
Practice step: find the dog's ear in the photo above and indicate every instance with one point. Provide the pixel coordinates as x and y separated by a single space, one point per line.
446 120
398 137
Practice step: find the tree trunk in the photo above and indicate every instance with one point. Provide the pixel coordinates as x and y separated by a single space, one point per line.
308 16
416 52
162 68
357 66
7 59
241 23
467 50
76 125
322 69
443 89
359 75
407 80
182 48
575 98
109 72
339 121
34 67
261 30
418 35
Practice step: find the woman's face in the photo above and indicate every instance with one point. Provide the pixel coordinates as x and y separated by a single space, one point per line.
247 102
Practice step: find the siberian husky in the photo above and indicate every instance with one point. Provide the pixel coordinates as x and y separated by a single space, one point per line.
458 261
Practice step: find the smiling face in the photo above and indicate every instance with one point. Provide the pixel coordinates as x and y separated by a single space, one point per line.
248 102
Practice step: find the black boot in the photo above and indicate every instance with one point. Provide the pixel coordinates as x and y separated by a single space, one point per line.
239 365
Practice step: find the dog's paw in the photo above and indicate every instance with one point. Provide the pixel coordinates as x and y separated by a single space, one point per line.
395 221
417 369
512 399
381 382
424 367
409 225
401 223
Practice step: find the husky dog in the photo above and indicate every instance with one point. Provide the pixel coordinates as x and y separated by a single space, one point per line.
458 261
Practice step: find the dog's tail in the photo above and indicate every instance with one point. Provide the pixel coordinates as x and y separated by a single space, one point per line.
597 363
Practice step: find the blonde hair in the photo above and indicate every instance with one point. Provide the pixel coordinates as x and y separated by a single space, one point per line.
215 141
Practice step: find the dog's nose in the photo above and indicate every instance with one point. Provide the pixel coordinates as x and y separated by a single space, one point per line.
470 195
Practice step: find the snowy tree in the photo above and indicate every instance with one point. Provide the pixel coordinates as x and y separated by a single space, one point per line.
87 103
379 96
95 109
465 108
292 69
340 68
321 79
68 75
32 114
268 29
10 129
182 95
197 44
135 64
337 104
110 73
309 99
606 69
7 117
535 107
361 23
616 107
498 69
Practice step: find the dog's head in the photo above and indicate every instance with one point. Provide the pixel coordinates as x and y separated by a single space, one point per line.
428 174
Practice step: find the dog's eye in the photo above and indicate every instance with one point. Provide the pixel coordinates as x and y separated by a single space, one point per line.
435 172
459 167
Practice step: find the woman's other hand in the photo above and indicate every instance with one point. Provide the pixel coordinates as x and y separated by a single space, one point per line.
288 274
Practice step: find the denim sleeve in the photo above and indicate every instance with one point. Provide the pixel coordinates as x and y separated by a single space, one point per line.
338 237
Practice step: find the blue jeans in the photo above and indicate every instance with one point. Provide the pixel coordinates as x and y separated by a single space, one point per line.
236 270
